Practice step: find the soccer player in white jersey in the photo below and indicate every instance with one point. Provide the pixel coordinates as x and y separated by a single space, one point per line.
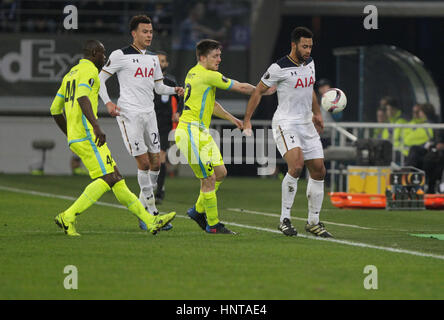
139 73
296 125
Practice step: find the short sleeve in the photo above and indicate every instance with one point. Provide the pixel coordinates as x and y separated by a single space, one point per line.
158 75
114 63
217 79
272 76
59 101
87 78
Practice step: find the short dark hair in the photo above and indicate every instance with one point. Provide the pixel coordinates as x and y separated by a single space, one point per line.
300 32
204 47
136 20
392 102
429 111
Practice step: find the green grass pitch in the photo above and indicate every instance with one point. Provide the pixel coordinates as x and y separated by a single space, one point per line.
116 260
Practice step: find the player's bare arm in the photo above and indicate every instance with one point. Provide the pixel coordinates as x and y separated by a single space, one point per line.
253 102
242 87
317 115
161 88
113 109
220 112
85 105
61 122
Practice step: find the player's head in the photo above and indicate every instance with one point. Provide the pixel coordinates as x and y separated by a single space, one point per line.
95 51
301 43
163 60
208 53
141 29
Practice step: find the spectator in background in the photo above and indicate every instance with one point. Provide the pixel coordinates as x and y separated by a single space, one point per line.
37 21
417 141
381 117
188 30
434 165
394 116
192 29
8 15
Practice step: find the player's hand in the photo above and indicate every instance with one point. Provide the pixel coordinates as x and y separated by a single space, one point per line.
113 109
179 91
100 136
247 128
270 91
238 123
176 117
318 122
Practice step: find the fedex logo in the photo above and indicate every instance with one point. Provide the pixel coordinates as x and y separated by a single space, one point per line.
144 73
36 61
305 83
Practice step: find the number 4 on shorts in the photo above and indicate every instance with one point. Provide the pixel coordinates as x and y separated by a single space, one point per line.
109 160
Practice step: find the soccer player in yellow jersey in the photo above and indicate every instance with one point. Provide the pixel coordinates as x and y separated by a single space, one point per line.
78 98
192 136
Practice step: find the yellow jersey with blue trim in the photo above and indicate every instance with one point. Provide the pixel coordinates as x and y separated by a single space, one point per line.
82 80
200 95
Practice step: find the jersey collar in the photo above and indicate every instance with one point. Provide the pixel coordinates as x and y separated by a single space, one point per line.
294 62
297 64
87 61
137 49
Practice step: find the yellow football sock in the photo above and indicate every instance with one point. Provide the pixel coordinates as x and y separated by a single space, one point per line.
200 200
210 204
129 200
91 194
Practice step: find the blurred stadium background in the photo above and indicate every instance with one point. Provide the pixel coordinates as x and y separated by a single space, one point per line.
402 58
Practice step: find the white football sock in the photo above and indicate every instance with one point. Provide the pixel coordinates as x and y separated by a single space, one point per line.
315 196
153 178
289 188
146 195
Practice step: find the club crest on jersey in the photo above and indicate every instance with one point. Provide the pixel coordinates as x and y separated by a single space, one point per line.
146 74
91 82
304 82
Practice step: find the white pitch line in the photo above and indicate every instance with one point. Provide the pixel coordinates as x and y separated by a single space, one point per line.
268 214
346 242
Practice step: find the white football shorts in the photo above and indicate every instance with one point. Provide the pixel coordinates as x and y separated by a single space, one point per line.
139 132
289 135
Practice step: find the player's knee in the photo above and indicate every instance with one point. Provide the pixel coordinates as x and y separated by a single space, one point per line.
155 166
295 172
209 183
143 166
319 174
112 178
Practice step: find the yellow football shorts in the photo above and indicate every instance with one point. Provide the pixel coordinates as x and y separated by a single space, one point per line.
96 159
199 148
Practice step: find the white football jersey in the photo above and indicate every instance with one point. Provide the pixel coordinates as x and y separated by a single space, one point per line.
294 89
136 73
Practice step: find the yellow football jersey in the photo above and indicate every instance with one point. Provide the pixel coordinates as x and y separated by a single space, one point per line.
200 94
81 80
